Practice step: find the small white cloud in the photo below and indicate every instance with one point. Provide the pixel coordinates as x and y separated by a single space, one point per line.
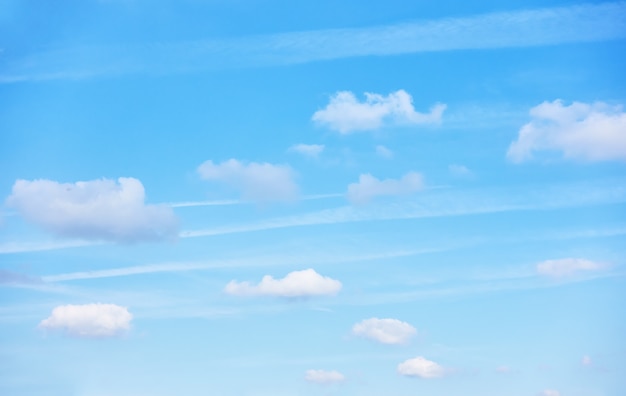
550 392
308 150
98 209
384 152
503 369
581 131
346 114
568 266
89 320
258 182
369 187
386 331
305 283
421 367
460 171
586 361
324 377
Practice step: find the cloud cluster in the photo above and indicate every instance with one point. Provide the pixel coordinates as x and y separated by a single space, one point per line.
307 150
305 283
257 182
324 377
345 113
99 209
581 131
567 267
89 320
386 331
369 187
421 367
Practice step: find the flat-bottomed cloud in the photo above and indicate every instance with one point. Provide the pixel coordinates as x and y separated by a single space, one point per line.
89 320
305 283
369 187
421 367
567 267
386 331
97 209
257 182
580 131
324 377
345 113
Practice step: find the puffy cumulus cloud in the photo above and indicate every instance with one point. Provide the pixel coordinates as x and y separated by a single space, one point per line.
567 267
384 152
421 367
258 182
89 320
305 283
581 131
308 150
345 113
98 209
550 392
324 377
369 187
387 331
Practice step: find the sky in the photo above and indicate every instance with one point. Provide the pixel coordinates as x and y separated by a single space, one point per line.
255 197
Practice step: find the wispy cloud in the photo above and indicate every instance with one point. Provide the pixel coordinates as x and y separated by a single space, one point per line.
525 28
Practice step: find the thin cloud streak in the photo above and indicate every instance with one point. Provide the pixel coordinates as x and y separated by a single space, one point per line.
204 265
223 202
526 28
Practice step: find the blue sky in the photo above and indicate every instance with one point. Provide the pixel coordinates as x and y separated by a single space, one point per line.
323 198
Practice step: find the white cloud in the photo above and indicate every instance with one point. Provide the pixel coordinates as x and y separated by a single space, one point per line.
308 150
346 114
581 131
369 187
460 171
305 283
503 369
259 182
324 377
550 392
421 367
97 209
387 331
384 152
89 320
586 361
568 266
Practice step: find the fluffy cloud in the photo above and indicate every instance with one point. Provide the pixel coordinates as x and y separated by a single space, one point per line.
346 114
588 132
324 377
586 361
369 187
550 392
89 320
258 182
384 152
305 283
567 267
98 209
387 331
420 367
308 150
